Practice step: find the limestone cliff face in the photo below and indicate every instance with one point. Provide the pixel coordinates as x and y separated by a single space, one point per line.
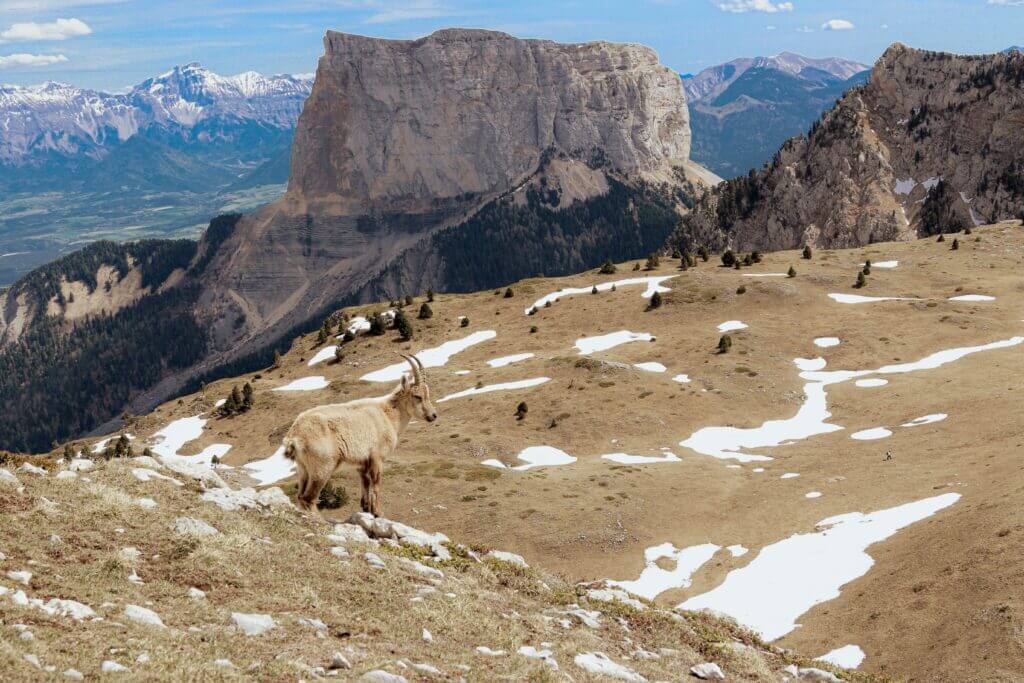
402 140
931 143
397 126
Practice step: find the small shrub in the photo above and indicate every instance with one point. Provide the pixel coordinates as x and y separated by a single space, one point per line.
533 329
861 280
593 290
521 410
736 264
425 311
465 321
607 268
683 263
277 360
742 289
653 262
378 325
724 343
955 245
339 354
655 302
403 325
967 230
430 296
636 266
333 496
348 336
942 238
756 256
791 272
728 258
409 300
508 293
704 254
807 252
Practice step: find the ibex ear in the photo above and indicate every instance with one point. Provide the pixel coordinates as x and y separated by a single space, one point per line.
405 381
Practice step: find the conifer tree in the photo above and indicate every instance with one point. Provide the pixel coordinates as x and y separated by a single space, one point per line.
791 272
607 268
955 245
724 343
728 258
403 325
425 311
247 396
653 262
807 252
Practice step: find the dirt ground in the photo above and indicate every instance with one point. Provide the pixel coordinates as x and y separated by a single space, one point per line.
943 599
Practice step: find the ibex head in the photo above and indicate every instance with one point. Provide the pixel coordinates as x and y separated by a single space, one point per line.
414 393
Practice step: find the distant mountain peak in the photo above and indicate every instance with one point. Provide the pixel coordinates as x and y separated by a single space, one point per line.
712 81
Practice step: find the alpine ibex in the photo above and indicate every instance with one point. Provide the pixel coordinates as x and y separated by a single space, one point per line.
361 432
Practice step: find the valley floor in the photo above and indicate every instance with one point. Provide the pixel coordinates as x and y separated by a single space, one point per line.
844 481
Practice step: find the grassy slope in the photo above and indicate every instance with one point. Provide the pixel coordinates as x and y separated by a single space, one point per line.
278 563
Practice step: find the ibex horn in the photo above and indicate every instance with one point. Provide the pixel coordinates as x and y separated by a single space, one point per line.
413 362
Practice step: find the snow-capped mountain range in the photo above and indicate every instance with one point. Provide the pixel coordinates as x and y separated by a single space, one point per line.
710 82
189 104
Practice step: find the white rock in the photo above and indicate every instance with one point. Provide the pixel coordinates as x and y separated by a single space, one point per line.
147 503
348 532
339 551
381 528
74 674
488 652
422 569
66 475
508 557
196 594
253 624
223 663
543 655
33 660
130 555
80 465
428 637
599 663
313 623
615 595
32 469
143 615
374 560
362 519
425 669
22 576
142 658
193 526
8 478
112 667
709 671
381 676
147 461
811 673
339 661
274 498
27 636
144 474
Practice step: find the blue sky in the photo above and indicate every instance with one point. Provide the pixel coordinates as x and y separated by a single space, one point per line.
113 44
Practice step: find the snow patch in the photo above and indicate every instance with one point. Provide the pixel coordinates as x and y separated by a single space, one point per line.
624 459
326 353
730 325
925 420
858 299
650 367
875 382
846 657
788 578
536 456
271 469
311 383
871 434
972 297
504 386
430 358
826 342
653 285
654 580
508 360
588 345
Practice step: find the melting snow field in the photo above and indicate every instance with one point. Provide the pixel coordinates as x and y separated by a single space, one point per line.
682 379
765 274
169 440
305 384
650 367
871 434
326 353
788 578
972 297
588 345
885 264
730 325
653 285
876 382
811 418
826 342
536 456
624 459
430 358
654 580
846 657
858 299
508 360
521 384
272 469
813 494
925 420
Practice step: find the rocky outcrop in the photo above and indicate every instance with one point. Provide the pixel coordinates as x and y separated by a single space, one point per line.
931 143
403 142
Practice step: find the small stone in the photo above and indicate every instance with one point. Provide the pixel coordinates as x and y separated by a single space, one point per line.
74 674
112 667
253 624
27 636
143 615
223 663
33 660
428 637
374 560
811 673
194 527
80 465
23 577
65 475
339 551
708 671
381 676
339 661
143 658
508 557
196 594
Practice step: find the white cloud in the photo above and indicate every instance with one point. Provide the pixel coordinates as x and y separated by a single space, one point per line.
805 29
837 25
24 59
51 5
405 10
1007 3
769 27
740 6
61 29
